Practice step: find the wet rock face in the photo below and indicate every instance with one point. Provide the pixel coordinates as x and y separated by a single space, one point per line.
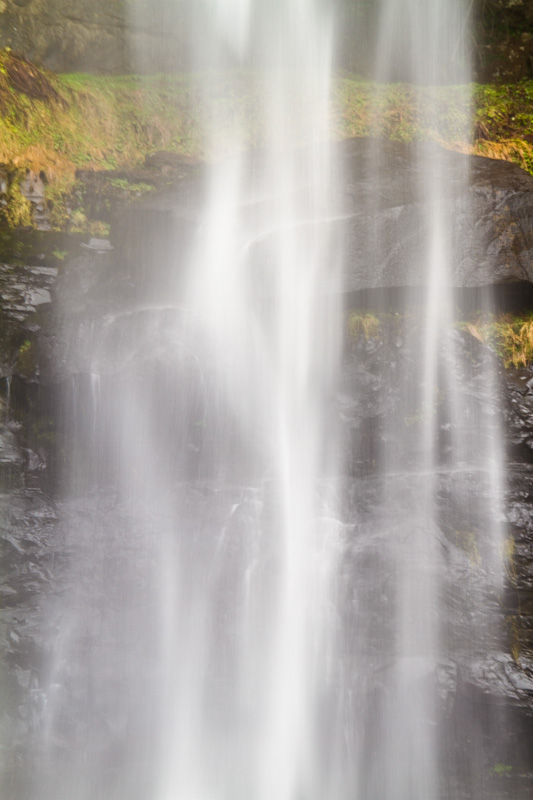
519 595
491 212
490 204
99 341
487 677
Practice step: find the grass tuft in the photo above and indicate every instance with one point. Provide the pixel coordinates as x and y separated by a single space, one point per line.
510 336
364 325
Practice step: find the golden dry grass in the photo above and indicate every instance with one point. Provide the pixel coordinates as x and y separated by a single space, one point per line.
510 336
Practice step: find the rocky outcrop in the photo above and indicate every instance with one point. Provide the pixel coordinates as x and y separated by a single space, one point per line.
489 203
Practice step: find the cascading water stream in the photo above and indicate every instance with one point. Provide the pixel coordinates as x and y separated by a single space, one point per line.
425 44
244 590
275 357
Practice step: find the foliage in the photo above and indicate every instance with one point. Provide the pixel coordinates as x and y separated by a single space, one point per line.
26 359
504 122
487 120
510 336
402 112
20 76
502 769
61 124
363 324
131 189
15 209
377 325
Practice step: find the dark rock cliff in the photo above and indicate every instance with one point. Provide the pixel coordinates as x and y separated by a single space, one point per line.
72 336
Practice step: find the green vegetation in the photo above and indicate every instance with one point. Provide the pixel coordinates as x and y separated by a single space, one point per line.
26 359
16 209
502 769
405 113
510 336
109 122
504 122
363 324
56 125
375 325
488 120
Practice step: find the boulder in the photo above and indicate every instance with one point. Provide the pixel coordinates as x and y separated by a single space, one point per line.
489 205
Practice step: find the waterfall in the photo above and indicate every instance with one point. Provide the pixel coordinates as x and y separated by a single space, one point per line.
257 732
282 620
435 430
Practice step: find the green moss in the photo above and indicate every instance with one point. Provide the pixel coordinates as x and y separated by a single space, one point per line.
491 120
504 112
502 769
26 361
131 189
16 211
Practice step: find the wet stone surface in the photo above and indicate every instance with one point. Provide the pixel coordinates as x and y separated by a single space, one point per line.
24 289
88 557
488 631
